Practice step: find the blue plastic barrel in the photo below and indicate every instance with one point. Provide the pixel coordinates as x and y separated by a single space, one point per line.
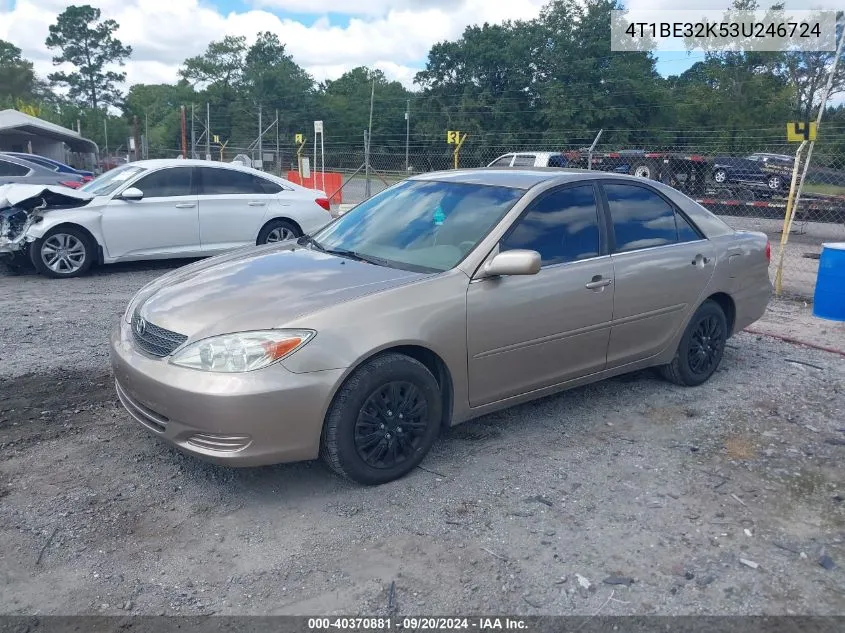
829 299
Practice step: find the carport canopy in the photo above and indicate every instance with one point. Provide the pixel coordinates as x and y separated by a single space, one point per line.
12 121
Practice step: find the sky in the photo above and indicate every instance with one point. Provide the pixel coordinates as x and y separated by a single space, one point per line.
326 37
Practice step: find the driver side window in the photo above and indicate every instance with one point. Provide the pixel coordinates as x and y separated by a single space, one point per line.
562 226
168 182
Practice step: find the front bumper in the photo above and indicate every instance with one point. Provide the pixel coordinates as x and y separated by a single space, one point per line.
256 418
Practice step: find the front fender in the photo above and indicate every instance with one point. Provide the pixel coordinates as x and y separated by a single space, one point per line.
88 220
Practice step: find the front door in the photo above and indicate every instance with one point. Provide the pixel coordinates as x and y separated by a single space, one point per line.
163 223
529 332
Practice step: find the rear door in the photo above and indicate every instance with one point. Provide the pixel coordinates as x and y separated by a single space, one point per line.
233 205
662 265
533 331
163 223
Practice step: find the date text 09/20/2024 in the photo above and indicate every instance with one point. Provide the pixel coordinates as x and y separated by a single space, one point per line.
418 624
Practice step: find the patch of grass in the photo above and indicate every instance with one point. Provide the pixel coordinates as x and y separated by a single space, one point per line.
820 188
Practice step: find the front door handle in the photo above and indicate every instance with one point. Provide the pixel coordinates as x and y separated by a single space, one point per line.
186 205
257 204
597 282
700 260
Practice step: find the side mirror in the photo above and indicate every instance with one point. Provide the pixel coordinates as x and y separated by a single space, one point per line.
515 262
133 193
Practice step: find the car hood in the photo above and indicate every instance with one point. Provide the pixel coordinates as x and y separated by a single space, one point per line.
259 288
30 197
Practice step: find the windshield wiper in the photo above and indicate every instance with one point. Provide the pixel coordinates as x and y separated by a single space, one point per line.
307 239
359 257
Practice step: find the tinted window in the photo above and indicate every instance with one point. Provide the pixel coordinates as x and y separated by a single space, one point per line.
562 226
523 160
268 186
557 160
12 169
685 231
173 181
219 181
504 161
641 218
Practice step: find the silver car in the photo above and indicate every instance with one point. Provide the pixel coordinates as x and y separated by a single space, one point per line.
18 170
445 297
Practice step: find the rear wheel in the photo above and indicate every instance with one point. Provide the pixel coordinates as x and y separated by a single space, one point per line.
64 252
383 420
642 170
701 348
278 231
720 176
775 183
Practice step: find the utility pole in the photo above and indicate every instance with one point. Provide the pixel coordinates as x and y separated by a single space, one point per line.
184 135
106 132
193 135
146 135
260 139
407 133
278 155
368 139
136 136
207 132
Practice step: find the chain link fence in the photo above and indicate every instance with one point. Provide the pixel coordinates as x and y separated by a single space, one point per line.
744 175
747 187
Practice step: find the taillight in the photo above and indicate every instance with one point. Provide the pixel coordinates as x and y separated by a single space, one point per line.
73 184
768 251
324 202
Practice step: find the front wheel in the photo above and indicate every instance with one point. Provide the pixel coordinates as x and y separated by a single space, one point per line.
775 183
63 252
701 348
720 176
383 421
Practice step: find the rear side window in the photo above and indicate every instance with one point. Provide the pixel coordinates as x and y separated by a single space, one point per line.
524 160
642 219
221 181
504 161
562 226
168 182
12 169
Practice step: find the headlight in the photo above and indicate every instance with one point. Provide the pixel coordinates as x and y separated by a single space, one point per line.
241 351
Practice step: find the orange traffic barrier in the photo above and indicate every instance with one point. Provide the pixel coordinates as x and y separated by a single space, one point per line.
333 182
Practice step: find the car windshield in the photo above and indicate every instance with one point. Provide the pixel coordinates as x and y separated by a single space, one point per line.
420 225
111 180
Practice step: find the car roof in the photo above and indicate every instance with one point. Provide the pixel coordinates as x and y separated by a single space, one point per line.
518 177
23 162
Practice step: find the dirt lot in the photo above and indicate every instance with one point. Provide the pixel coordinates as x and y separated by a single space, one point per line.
628 497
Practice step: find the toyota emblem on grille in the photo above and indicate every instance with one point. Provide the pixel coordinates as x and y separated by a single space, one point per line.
140 326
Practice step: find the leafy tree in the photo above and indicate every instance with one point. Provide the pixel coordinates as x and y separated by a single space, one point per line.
221 65
17 79
88 44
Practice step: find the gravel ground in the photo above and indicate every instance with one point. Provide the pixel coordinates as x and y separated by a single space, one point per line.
631 496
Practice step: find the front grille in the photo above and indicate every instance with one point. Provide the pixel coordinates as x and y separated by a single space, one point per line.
153 339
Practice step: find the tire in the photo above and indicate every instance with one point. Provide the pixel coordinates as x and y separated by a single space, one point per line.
720 176
707 331
64 252
774 183
278 231
642 170
363 409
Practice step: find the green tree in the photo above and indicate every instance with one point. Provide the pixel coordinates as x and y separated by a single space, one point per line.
17 79
158 108
88 43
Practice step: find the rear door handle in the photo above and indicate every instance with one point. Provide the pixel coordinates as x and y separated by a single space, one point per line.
255 203
597 282
186 205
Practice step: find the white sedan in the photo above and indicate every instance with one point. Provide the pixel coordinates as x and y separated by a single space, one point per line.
155 209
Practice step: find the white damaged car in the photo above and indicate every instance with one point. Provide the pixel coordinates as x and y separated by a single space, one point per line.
154 209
